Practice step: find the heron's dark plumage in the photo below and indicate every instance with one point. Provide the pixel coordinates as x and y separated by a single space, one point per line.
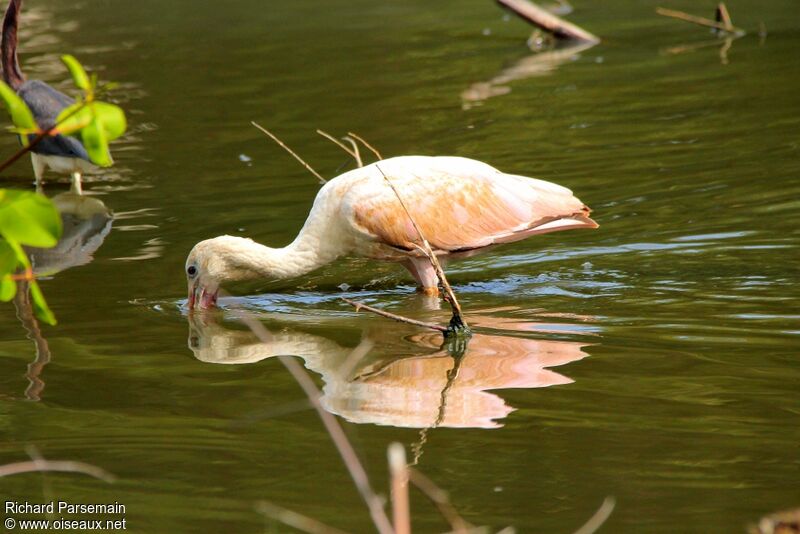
44 101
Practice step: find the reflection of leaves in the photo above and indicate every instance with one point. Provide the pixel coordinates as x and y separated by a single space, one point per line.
8 264
29 219
40 307
21 115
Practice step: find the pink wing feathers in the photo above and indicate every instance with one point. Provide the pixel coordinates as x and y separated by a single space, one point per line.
458 203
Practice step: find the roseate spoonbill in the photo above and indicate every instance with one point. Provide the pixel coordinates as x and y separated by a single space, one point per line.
461 206
62 154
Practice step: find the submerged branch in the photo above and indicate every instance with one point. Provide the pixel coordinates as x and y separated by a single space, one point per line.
558 27
290 151
63 466
599 517
701 21
294 519
359 305
441 499
339 438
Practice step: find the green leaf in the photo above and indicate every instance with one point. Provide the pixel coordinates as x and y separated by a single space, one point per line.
74 117
40 307
8 288
79 75
8 259
21 115
94 140
29 218
112 118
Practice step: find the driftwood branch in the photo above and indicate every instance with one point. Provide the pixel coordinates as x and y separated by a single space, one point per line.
290 151
701 21
552 24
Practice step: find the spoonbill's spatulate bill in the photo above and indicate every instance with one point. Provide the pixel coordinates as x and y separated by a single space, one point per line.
62 154
461 206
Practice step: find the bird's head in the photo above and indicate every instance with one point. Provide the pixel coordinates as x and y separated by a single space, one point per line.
211 263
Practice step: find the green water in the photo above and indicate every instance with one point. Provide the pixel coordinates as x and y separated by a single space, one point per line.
654 360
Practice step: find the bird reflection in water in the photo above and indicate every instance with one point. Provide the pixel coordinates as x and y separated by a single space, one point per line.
536 64
86 222
414 382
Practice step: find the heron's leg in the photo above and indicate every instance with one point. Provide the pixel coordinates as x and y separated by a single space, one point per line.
425 275
76 183
39 167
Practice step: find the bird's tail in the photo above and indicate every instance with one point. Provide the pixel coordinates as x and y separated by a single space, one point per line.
8 49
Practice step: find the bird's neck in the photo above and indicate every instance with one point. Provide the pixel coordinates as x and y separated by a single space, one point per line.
306 253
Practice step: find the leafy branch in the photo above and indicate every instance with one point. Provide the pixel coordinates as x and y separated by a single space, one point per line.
30 219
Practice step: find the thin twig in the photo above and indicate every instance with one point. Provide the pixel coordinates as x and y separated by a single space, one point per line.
63 466
338 143
343 445
398 470
392 316
599 517
290 151
38 139
680 15
441 499
457 322
369 146
294 519
355 149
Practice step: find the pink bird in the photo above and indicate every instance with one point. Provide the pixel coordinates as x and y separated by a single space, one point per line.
462 207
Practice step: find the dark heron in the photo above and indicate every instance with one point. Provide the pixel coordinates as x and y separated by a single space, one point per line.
62 154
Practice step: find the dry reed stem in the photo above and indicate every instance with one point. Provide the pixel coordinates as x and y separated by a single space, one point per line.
599 517
441 499
359 305
355 149
343 445
369 146
294 519
63 466
338 143
398 470
290 151
680 15
552 24
457 322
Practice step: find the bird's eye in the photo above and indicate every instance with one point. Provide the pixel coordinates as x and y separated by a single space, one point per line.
191 270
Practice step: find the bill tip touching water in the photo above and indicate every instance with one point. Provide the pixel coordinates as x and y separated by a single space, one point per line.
462 206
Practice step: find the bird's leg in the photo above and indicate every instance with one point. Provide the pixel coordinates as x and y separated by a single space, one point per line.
39 167
425 275
76 183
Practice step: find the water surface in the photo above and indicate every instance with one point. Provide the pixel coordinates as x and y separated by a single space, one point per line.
654 359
